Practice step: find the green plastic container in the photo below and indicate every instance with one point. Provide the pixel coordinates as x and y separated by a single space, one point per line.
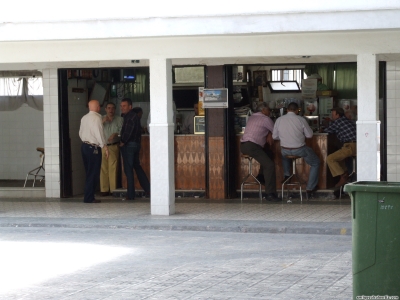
376 237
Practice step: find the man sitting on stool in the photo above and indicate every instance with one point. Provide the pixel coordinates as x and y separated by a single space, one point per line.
345 131
258 131
292 130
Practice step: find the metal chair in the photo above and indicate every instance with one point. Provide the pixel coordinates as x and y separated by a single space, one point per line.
35 171
350 175
294 174
250 174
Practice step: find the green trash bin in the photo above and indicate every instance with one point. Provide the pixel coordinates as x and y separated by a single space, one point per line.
376 238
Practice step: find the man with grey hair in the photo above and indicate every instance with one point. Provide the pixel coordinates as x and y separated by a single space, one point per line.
258 132
292 130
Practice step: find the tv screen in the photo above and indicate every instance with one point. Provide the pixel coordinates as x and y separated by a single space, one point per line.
129 75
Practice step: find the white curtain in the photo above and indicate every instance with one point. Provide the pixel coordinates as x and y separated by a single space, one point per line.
14 92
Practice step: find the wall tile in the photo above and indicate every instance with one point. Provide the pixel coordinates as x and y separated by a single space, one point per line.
391 74
391 113
391 122
391 150
391 84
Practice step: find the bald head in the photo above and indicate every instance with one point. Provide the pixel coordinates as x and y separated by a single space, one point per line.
94 106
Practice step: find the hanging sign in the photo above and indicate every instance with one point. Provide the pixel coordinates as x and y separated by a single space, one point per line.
215 98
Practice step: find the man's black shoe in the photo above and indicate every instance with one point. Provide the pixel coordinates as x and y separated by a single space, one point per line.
260 178
273 197
104 194
93 201
311 194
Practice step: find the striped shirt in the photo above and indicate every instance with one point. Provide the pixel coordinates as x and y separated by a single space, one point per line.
113 127
292 130
257 128
344 128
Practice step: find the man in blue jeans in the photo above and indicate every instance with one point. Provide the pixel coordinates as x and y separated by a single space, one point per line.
93 140
131 134
292 129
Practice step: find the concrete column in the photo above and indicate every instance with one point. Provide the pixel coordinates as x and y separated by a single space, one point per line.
368 124
162 166
51 133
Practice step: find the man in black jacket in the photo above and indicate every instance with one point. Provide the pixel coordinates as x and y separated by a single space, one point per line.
130 147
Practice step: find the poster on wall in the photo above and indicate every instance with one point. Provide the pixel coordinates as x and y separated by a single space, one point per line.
215 98
309 88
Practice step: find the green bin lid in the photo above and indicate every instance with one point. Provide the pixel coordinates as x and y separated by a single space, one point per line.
373 186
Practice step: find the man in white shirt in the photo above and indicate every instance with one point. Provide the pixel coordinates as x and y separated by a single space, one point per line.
292 129
92 136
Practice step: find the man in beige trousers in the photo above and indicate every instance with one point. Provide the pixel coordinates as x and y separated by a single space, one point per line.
112 125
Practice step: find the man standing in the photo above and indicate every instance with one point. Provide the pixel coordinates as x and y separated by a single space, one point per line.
292 129
345 131
130 148
92 136
258 132
112 125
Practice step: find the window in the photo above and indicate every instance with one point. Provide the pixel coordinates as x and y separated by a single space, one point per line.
35 86
288 75
188 74
11 86
16 91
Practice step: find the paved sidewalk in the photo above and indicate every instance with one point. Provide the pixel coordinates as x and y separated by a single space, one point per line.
66 249
308 217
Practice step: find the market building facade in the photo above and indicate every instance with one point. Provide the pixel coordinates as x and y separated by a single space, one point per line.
367 34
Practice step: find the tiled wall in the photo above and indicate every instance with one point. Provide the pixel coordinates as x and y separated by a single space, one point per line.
393 120
77 109
21 133
51 132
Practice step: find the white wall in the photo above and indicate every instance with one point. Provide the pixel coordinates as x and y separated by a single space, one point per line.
150 19
393 120
21 133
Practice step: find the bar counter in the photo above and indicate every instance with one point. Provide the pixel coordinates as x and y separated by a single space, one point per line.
190 169
322 144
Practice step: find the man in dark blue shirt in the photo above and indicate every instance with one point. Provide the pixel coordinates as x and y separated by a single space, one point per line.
131 136
345 131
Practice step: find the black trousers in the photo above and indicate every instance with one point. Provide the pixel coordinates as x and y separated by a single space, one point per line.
266 163
92 163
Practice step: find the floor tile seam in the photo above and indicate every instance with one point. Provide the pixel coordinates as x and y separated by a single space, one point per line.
130 218
234 229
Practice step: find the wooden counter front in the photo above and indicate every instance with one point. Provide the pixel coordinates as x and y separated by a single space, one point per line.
322 145
190 167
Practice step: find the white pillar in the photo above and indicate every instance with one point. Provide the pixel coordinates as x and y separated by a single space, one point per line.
162 167
51 133
368 124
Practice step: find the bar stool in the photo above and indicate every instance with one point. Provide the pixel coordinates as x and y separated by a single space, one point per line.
294 174
350 175
35 171
250 174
